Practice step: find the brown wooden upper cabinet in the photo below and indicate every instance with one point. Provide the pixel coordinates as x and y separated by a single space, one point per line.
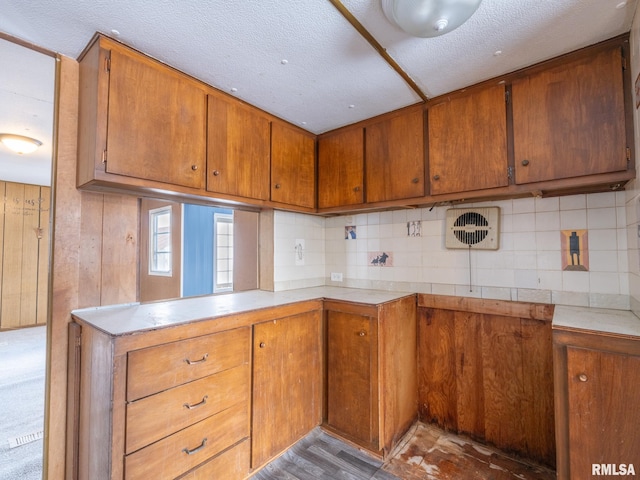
569 121
341 168
468 142
238 155
395 162
293 166
139 118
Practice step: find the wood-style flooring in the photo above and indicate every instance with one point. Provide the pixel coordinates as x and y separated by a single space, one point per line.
425 453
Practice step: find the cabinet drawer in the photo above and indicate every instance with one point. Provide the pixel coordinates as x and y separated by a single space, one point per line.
162 414
232 464
154 369
182 451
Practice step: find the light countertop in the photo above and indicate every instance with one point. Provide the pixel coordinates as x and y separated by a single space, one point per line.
136 317
601 320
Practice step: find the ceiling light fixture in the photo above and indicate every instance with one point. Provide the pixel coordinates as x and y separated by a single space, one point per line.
429 18
19 143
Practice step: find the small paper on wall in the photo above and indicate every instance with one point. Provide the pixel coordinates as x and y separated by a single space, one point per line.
299 249
380 259
575 250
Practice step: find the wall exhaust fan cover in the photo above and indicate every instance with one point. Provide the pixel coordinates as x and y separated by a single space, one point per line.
476 228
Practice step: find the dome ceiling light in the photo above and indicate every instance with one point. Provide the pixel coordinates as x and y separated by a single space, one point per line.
19 143
429 18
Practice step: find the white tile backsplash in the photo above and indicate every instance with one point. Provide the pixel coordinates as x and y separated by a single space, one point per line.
601 218
527 266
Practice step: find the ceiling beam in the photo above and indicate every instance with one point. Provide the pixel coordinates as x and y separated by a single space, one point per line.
379 48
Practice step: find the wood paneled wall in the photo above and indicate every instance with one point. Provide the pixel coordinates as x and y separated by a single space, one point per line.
24 254
485 370
94 262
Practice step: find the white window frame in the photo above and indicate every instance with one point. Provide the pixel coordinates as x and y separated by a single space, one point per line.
153 235
221 218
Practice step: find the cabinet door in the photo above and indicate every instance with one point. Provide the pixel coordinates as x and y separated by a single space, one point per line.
156 123
238 153
287 386
604 394
569 120
352 376
468 142
341 169
395 158
293 167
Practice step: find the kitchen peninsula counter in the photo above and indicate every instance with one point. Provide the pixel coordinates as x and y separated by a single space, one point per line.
138 317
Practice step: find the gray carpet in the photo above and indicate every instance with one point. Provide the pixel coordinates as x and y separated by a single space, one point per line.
22 372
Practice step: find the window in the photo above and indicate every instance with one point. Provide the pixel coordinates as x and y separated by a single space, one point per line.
223 247
160 260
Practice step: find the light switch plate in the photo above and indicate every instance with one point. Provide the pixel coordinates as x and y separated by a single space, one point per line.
336 277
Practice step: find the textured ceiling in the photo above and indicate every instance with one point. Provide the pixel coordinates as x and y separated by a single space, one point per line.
304 62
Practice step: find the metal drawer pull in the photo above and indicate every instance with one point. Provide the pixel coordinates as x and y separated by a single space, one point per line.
197 449
362 334
196 405
583 377
194 362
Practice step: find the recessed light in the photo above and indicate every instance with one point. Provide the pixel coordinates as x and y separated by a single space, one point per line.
621 5
497 53
233 89
352 106
115 33
284 61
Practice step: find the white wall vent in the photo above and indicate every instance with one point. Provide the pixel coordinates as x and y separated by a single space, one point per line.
476 228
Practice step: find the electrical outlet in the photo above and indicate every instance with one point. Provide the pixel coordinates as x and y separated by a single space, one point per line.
336 277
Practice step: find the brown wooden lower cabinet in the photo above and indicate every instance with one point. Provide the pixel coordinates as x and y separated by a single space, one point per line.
287 383
485 370
159 405
371 392
597 380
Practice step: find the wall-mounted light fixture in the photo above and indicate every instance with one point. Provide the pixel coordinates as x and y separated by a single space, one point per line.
19 143
429 18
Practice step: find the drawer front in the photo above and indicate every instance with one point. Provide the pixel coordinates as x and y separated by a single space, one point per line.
154 369
232 464
182 451
157 416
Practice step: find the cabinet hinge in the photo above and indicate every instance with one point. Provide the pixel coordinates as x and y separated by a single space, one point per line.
624 62
507 96
79 340
628 154
510 173
104 156
107 64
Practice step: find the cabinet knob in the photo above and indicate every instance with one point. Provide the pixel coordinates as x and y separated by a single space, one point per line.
194 167
216 173
436 177
277 185
415 180
362 334
356 189
583 377
525 163
262 344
